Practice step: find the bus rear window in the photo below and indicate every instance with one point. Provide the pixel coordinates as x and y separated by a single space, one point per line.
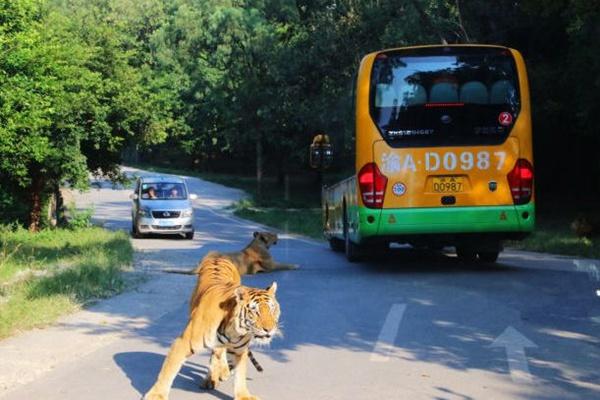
448 96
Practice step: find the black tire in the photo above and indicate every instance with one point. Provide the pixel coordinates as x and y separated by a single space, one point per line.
336 245
351 249
189 235
488 256
135 233
466 254
353 253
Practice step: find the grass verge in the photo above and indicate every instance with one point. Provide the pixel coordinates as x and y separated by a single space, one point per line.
303 221
55 272
553 235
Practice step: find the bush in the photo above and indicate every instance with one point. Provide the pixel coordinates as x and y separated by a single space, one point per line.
78 219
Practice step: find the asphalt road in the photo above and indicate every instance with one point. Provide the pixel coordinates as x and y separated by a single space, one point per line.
411 325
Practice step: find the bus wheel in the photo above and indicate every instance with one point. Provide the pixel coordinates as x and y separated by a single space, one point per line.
352 250
466 254
336 245
488 256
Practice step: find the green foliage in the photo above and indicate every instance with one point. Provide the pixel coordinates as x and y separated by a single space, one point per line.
77 84
224 85
79 219
48 274
304 221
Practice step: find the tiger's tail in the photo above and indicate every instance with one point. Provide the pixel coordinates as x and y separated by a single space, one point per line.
255 362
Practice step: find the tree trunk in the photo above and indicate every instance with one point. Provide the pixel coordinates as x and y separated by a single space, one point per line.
60 206
35 202
426 21
52 211
461 24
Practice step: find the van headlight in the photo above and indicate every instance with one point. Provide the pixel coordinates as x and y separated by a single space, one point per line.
187 213
144 212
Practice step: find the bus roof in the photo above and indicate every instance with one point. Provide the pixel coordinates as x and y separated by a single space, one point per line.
438 46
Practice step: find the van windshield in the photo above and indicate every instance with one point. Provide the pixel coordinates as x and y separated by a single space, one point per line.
449 96
163 191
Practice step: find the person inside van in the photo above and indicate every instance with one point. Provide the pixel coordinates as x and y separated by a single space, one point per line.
151 194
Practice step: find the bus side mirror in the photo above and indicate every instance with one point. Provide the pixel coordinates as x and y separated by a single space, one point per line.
321 152
133 196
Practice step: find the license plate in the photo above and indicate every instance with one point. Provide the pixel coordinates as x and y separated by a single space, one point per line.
162 222
448 184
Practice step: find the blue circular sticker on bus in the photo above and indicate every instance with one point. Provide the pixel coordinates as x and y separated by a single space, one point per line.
399 189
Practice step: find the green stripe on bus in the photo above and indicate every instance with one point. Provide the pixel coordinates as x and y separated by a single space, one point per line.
400 221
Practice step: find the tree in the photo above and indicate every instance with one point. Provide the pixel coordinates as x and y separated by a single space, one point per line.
74 90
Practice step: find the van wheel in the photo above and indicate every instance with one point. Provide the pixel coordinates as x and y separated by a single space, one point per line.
488 256
336 245
135 233
466 254
189 235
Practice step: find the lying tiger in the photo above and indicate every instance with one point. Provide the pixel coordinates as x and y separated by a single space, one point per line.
225 317
255 257
252 259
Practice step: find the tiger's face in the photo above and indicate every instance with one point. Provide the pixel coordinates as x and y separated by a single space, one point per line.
267 239
259 313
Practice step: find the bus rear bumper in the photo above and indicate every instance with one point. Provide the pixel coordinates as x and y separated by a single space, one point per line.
502 222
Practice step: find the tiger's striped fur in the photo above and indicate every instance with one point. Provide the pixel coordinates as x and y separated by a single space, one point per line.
225 317
255 362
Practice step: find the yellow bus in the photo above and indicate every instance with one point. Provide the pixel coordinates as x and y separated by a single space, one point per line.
443 153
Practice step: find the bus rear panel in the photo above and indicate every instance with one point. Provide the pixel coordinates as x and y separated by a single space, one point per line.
443 147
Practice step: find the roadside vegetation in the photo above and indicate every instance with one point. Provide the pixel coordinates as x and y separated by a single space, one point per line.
547 239
303 221
555 233
57 271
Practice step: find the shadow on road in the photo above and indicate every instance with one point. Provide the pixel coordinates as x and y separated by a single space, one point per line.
402 260
140 368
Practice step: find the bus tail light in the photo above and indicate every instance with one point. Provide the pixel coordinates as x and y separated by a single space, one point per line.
520 180
372 185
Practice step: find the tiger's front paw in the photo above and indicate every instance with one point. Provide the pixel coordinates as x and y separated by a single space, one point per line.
224 373
209 383
152 395
249 397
